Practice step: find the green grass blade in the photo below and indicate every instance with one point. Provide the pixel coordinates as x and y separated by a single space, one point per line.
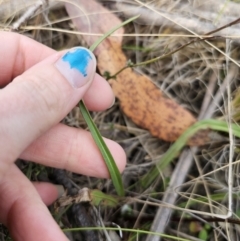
217 197
107 34
107 156
98 197
174 150
138 231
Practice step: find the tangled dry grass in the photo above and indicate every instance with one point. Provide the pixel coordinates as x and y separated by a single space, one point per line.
190 198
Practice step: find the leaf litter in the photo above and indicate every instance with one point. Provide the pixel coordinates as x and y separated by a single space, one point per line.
140 99
188 77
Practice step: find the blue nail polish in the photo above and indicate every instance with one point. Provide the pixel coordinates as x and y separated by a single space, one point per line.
73 58
78 66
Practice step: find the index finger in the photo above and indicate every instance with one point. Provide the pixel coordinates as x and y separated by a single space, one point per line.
19 53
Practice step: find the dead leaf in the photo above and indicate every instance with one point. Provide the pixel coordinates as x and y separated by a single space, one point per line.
140 98
82 196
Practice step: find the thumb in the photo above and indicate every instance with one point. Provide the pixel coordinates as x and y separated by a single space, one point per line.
41 97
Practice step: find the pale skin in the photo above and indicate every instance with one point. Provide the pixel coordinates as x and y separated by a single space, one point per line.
34 99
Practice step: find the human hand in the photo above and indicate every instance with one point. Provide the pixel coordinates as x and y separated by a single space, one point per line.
42 92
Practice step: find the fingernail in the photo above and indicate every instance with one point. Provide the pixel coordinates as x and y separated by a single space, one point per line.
114 99
60 189
78 66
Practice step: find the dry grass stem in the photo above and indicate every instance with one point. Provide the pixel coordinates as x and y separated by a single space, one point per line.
198 192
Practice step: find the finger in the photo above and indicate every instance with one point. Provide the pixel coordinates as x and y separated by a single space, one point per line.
74 150
40 97
48 192
18 51
23 211
17 55
99 96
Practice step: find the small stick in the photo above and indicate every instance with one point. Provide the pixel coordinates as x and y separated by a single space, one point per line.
28 14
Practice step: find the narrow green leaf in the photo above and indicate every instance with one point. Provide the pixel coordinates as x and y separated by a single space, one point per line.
98 197
138 231
107 156
217 197
181 142
107 34
111 165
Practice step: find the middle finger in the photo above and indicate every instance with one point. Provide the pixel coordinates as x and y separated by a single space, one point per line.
73 149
